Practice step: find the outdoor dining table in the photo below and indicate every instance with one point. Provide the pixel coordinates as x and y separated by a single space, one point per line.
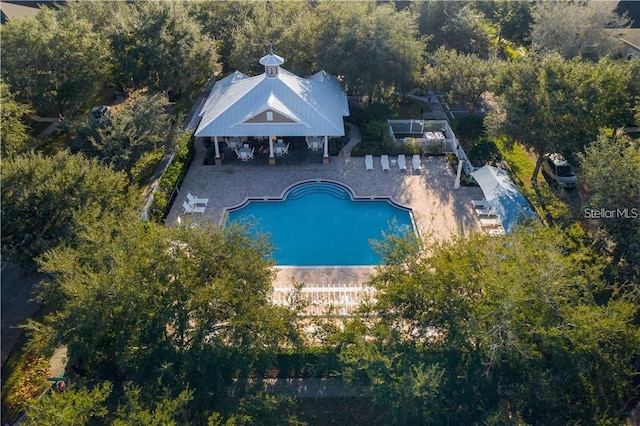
279 148
235 143
244 153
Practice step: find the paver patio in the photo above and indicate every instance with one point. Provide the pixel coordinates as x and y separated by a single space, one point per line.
439 210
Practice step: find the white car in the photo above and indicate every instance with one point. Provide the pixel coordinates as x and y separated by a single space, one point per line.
559 171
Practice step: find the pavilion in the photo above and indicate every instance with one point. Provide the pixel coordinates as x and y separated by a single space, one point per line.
273 105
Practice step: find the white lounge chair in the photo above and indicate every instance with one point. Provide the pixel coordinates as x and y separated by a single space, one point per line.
495 231
194 201
402 163
490 223
480 204
368 162
384 161
488 212
417 164
188 208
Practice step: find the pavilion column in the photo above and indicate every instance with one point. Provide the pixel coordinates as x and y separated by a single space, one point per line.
218 160
272 157
325 157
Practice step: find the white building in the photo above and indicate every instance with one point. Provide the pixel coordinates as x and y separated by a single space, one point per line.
273 106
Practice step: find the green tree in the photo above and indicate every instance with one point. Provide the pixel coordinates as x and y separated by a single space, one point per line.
166 411
585 28
160 46
166 308
291 27
468 32
512 19
14 133
47 200
610 170
374 48
464 78
57 63
73 407
483 329
553 105
141 127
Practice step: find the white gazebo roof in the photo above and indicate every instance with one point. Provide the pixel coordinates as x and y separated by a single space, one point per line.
281 104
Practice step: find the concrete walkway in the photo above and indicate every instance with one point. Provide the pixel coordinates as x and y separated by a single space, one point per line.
46 132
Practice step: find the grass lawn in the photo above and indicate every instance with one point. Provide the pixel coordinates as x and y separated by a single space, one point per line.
552 206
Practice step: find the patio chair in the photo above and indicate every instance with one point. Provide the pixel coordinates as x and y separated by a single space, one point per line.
417 164
402 163
384 162
495 231
490 223
285 150
488 212
194 201
368 162
250 156
480 204
188 208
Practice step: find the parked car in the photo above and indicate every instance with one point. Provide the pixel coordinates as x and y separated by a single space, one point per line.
559 171
99 114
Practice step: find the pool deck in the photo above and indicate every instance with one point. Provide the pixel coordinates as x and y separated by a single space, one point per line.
439 210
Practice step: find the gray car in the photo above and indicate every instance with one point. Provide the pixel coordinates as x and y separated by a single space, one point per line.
559 171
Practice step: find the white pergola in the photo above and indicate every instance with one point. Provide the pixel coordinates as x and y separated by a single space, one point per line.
274 104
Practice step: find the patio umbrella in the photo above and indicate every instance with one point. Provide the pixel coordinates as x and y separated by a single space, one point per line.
509 204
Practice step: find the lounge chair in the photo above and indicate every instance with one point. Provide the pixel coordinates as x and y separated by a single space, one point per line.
417 164
489 212
490 223
188 208
384 161
480 204
402 163
368 162
495 231
194 201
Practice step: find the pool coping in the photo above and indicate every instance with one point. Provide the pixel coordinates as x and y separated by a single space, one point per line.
352 195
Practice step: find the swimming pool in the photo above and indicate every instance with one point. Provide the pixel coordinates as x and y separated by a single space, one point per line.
320 223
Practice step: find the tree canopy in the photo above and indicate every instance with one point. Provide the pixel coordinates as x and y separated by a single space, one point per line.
14 133
610 170
55 62
140 126
551 104
572 28
165 307
483 330
46 201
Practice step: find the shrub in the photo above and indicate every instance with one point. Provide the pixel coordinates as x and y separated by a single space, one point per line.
371 112
172 177
469 128
483 151
375 130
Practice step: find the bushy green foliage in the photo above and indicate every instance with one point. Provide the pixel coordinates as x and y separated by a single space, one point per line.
483 151
172 177
46 201
376 111
469 128
14 133
480 323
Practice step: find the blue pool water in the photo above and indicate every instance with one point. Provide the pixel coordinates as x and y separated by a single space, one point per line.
318 224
